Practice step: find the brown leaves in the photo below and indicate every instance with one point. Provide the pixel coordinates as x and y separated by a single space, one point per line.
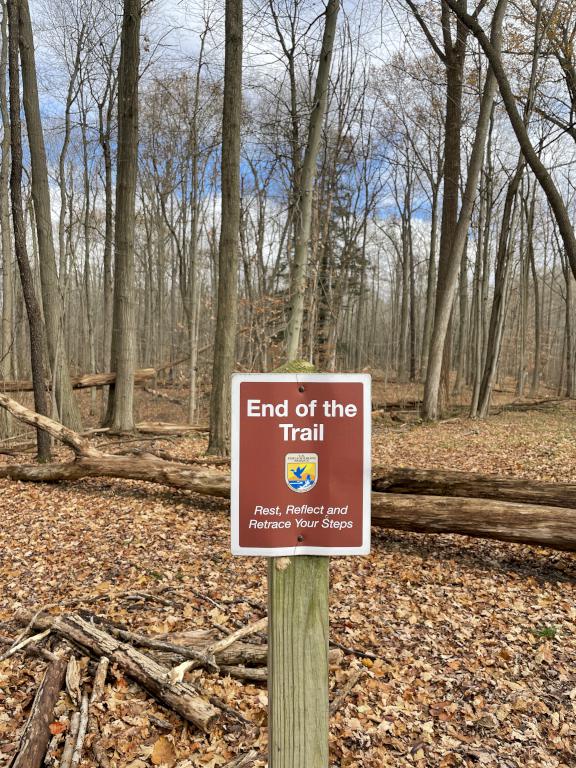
57 727
467 671
163 752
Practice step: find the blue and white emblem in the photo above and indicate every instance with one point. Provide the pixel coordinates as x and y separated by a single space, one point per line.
301 471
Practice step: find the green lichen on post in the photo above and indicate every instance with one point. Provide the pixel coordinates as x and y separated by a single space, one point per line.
296 366
298 653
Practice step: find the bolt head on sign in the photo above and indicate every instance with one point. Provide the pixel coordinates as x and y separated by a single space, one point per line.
301 474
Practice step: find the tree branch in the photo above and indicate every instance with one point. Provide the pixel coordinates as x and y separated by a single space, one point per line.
538 168
426 29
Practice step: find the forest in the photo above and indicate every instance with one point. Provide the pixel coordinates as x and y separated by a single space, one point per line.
199 188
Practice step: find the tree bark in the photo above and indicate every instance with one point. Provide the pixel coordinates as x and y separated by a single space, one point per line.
123 354
7 331
497 312
542 526
306 190
180 697
51 297
34 740
226 319
449 265
35 324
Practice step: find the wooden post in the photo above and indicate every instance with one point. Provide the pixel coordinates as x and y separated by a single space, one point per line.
298 653
298 662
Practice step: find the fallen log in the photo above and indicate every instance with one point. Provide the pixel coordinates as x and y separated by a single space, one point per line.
180 697
86 381
538 525
252 674
549 521
397 405
36 735
145 467
165 428
434 482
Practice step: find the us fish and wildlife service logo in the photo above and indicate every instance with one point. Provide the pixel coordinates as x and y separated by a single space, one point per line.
301 471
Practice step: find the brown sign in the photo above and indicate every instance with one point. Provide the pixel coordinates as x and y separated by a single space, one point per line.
301 464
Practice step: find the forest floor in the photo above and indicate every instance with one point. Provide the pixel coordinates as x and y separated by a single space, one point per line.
475 640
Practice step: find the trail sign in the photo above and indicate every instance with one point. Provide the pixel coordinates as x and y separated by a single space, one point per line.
300 464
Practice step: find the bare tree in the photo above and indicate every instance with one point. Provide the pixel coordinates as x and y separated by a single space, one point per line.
7 335
225 338
26 277
305 192
51 297
123 353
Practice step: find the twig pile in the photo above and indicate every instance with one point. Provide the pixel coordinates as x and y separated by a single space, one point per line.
160 671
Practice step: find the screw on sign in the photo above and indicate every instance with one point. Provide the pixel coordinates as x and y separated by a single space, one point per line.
300 487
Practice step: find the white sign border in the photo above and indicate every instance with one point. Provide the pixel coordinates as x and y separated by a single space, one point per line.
298 378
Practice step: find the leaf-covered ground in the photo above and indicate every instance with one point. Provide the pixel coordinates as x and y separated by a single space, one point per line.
475 641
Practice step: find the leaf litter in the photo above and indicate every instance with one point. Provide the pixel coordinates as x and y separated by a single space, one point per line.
465 649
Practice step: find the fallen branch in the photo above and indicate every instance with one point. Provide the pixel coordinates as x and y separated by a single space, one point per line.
222 645
253 674
154 644
86 381
36 736
180 697
341 697
545 517
177 674
82 728
95 697
23 643
165 428
70 742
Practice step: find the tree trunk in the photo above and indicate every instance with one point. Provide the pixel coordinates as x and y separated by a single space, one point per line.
227 312
306 186
450 255
7 330
463 322
51 297
430 284
494 336
35 325
123 353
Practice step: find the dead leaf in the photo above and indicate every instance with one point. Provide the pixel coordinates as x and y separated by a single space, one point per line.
163 752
